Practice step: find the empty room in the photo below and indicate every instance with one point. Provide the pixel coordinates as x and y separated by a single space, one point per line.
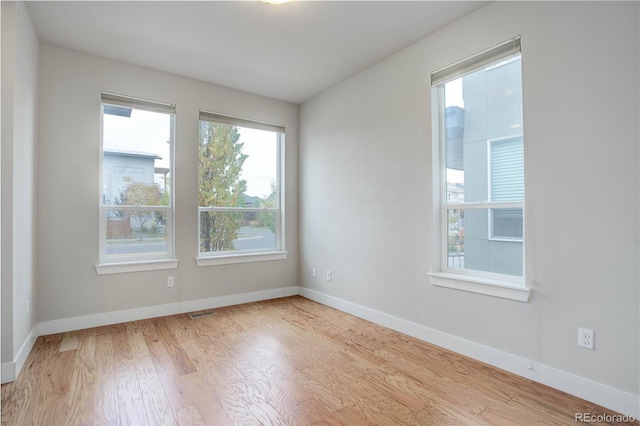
320 212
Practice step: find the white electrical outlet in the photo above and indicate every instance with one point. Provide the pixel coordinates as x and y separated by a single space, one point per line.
328 275
170 282
585 338
314 272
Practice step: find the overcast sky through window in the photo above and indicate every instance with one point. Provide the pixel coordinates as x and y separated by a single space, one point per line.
149 132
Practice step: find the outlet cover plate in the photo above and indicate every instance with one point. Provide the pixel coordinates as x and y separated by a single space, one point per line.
585 338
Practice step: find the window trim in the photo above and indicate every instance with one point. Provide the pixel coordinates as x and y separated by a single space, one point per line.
244 257
142 262
486 283
278 252
137 266
495 54
481 285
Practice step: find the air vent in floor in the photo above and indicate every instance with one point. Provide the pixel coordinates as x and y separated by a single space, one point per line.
194 315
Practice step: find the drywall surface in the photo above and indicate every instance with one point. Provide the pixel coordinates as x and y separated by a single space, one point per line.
20 50
366 187
69 193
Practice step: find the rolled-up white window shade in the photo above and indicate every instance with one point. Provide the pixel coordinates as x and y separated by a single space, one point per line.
240 122
137 103
486 57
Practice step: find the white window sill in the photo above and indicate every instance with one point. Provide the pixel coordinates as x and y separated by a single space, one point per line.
139 266
487 286
240 258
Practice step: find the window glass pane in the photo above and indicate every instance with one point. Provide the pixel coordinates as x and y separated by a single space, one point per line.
484 161
238 169
507 170
260 167
136 163
454 133
506 224
136 172
232 231
455 239
136 234
468 246
483 105
503 95
237 166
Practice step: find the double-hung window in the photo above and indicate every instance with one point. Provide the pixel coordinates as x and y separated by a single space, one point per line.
136 194
479 142
240 193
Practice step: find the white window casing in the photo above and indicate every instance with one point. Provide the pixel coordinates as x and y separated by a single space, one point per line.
123 259
504 199
258 254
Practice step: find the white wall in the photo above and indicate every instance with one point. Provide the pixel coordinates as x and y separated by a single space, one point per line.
366 188
20 49
68 189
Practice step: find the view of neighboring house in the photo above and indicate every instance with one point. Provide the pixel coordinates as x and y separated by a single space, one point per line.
455 192
484 145
121 167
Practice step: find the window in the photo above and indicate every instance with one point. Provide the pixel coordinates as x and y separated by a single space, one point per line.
481 193
136 223
240 214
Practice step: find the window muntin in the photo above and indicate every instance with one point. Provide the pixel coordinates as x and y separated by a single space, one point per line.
239 193
482 163
137 144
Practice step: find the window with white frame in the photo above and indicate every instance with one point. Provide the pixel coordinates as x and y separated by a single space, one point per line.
136 205
240 215
480 146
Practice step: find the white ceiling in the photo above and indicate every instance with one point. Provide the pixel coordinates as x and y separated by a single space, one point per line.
288 52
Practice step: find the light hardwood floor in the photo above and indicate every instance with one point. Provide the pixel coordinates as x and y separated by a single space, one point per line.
287 361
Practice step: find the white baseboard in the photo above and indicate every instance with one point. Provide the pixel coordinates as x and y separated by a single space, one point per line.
116 317
597 393
106 318
11 370
237 299
8 372
606 396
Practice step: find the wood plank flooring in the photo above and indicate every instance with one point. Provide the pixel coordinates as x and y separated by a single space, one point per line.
287 361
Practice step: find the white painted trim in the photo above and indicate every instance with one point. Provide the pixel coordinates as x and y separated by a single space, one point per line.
138 266
11 370
26 347
486 286
597 393
237 299
116 317
600 394
8 372
240 258
106 318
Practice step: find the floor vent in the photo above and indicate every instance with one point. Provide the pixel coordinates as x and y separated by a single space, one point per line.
194 315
